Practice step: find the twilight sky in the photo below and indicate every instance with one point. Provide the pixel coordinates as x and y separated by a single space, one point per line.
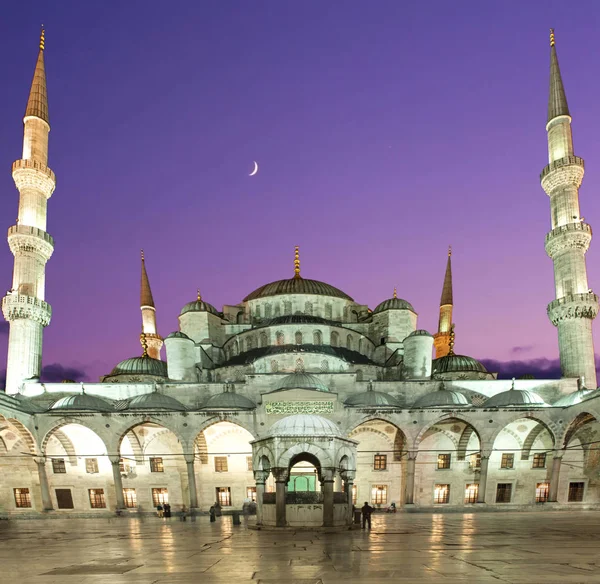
384 131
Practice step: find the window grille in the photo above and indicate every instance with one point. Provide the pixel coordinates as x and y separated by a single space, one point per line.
91 465
97 500
503 492
539 460
130 498
224 496
380 462
443 461
156 465
541 492
221 464
22 498
576 492
160 496
379 494
58 466
508 460
441 494
471 492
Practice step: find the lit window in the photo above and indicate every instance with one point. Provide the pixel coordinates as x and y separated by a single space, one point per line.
251 493
97 500
443 461
58 466
160 496
471 492
354 494
539 460
541 492
130 498
224 496
475 461
380 462
503 492
249 463
379 494
441 494
220 464
91 465
508 460
22 498
576 492
156 465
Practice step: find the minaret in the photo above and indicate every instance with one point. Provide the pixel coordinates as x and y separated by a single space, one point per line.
441 340
24 306
576 305
150 339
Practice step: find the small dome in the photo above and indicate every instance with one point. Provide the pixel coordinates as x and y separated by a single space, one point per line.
420 333
296 286
155 401
393 304
374 399
304 425
301 381
141 366
572 399
456 363
26 405
228 400
198 306
442 398
177 335
81 401
514 398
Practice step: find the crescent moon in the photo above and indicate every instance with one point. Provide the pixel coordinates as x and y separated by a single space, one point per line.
255 169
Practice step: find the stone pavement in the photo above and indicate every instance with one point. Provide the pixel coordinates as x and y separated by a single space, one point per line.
482 548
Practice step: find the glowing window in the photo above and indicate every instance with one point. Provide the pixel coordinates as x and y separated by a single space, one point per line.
249 463
224 496
441 494
354 494
160 496
130 498
221 464
156 465
443 461
22 498
508 460
541 492
379 494
475 461
380 462
251 493
471 492
539 460
97 500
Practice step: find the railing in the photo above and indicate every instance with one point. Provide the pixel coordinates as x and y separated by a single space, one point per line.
29 230
304 498
579 226
33 165
566 161
586 297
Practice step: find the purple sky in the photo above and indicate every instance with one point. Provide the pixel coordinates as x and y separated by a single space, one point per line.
384 131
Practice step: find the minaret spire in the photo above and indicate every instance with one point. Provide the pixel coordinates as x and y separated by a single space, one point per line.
576 305
150 339
297 262
24 306
443 337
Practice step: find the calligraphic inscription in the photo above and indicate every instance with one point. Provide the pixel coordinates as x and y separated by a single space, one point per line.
299 407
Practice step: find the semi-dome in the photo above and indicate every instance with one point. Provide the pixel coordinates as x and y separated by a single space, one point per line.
518 398
81 401
301 380
456 363
198 305
143 365
393 304
304 425
155 401
372 399
572 399
177 335
296 285
420 333
228 400
442 398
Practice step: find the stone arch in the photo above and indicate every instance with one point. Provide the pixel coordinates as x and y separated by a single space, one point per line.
319 453
263 458
78 421
539 417
360 430
25 434
576 424
136 446
530 439
67 446
449 435
225 418
442 419
202 447
461 451
3 449
117 437
372 418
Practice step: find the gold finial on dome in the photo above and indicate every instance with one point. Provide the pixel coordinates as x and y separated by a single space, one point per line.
199 296
552 41
142 254
42 39
451 340
395 292
144 344
297 262
449 251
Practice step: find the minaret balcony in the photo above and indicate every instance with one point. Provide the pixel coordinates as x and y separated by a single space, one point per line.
26 238
568 237
16 306
567 171
573 306
31 174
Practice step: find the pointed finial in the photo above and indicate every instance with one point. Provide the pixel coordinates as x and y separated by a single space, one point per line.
42 39
449 251
142 254
451 340
199 296
144 344
552 41
297 261
512 387
395 292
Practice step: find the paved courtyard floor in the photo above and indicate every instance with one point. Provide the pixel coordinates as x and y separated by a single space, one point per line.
482 548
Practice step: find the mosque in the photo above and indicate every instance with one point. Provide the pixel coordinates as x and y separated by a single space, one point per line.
299 397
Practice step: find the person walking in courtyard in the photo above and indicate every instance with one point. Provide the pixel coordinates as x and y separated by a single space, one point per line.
218 511
183 515
167 508
366 514
211 512
159 510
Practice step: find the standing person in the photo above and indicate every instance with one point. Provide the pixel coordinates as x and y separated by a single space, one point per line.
366 514
159 510
182 517
246 511
211 512
167 510
218 511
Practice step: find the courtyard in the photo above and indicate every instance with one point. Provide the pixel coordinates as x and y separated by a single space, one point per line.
549 547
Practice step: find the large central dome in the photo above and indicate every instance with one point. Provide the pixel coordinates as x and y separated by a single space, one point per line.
296 285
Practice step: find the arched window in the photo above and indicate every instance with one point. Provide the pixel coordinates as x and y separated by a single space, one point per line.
257 312
328 311
287 307
359 375
268 311
299 366
298 337
249 343
361 345
274 366
308 307
240 318
354 316
277 310
350 343
279 338
335 339
324 366
317 338
263 340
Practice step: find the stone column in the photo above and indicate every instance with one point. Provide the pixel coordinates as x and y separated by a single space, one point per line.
483 473
44 488
114 461
328 477
337 484
348 484
281 479
554 477
191 473
409 493
260 477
